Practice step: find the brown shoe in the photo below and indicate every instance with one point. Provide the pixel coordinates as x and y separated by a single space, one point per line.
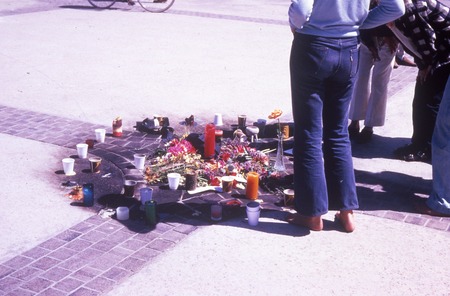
422 207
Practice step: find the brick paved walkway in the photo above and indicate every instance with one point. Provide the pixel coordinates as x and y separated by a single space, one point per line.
94 255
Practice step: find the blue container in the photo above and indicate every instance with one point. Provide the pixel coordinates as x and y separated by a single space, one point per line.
88 194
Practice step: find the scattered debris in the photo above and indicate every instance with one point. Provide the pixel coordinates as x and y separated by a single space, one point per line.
106 213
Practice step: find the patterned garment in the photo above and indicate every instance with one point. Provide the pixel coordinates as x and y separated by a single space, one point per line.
427 24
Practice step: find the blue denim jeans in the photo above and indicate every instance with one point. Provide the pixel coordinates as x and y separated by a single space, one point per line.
323 72
439 199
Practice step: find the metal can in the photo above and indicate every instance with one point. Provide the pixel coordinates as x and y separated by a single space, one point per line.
150 212
88 194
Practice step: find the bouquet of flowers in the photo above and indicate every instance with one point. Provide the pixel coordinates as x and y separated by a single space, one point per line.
178 156
235 158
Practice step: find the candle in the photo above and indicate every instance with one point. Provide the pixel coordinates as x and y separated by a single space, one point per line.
216 212
251 191
285 130
117 127
122 213
191 180
210 141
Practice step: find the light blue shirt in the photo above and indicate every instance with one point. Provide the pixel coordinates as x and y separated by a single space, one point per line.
341 18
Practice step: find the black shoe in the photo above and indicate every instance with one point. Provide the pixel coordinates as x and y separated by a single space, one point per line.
401 151
413 153
420 155
365 135
353 132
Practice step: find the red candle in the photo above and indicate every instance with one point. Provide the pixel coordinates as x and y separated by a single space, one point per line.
117 127
251 191
210 141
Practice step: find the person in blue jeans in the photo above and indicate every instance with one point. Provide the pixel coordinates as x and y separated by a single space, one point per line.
424 30
438 203
323 67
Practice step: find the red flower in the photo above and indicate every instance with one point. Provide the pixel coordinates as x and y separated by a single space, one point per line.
215 182
225 156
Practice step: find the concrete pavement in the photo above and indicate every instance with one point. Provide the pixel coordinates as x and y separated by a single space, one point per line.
199 58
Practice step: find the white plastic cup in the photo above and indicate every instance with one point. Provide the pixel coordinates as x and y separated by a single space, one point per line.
139 161
146 194
122 213
174 180
253 212
100 134
68 165
218 119
82 150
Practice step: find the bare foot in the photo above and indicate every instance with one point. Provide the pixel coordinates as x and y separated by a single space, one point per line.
313 223
346 219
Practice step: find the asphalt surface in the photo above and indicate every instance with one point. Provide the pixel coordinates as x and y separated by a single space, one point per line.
201 57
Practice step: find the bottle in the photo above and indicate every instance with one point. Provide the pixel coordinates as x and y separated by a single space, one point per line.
150 212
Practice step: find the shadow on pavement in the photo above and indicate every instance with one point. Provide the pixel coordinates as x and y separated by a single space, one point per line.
87 7
384 191
378 147
270 221
389 190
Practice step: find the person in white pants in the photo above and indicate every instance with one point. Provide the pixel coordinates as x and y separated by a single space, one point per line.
377 58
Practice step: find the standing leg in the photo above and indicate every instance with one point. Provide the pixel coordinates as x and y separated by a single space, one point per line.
307 90
376 111
376 108
337 152
439 200
361 93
